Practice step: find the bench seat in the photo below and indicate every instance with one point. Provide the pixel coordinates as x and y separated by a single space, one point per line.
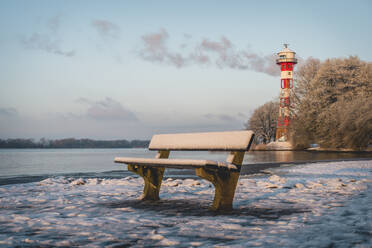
176 163
211 141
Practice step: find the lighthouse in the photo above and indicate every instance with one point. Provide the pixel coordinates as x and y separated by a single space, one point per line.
286 60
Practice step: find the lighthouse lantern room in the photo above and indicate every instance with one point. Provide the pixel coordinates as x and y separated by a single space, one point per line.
286 60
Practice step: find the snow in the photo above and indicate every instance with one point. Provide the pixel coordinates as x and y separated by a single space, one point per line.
161 161
279 146
234 140
308 205
174 163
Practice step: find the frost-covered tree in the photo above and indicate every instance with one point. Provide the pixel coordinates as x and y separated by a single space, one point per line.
333 104
263 122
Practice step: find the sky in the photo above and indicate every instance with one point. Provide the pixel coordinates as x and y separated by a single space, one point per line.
131 69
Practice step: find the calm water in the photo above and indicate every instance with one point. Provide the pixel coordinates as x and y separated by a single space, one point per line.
28 165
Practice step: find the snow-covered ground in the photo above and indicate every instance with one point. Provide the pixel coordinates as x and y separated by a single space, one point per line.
309 205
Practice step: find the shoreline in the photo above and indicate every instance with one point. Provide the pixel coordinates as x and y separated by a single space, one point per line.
287 146
255 168
312 150
247 169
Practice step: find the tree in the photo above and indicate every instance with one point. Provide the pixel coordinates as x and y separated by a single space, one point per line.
263 122
302 127
333 103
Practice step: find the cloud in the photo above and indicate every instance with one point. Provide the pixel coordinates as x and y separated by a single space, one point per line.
220 53
225 55
221 117
155 50
106 28
53 23
48 41
45 42
8 112
107 109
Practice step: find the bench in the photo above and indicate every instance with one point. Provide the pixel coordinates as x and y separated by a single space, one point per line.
223 175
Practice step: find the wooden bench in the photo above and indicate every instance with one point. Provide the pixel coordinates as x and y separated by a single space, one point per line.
223 175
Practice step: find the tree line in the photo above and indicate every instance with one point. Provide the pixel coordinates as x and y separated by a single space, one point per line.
72 143
332 106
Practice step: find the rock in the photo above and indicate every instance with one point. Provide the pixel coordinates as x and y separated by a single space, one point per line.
168 242
271 186
278 179
299 185
79 181
311 185
190 182
157 237
172 184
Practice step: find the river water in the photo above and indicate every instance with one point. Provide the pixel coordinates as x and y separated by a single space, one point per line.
85 162
79 197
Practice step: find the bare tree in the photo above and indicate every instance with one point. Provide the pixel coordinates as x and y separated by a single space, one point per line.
302 128
333 103
263 122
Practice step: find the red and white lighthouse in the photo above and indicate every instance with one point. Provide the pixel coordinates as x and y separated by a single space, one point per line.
286 59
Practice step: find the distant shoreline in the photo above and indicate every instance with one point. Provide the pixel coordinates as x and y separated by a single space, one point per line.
71 143
286 146
145 147
49 148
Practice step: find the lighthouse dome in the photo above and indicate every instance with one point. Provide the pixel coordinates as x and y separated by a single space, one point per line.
286 55
286 50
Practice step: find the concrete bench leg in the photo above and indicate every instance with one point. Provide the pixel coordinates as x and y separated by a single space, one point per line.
151 176
224 183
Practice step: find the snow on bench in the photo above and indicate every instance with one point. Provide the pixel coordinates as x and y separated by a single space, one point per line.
176 163
224 176
211 141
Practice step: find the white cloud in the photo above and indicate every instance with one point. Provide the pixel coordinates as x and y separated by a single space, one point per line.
107 109
221 53
48 41
155 50
106 28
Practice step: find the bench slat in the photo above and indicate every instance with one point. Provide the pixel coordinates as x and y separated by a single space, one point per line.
211 141
175 163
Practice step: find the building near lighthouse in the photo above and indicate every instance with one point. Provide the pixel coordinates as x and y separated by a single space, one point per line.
286 60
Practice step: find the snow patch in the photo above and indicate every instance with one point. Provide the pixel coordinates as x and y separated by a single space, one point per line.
321 204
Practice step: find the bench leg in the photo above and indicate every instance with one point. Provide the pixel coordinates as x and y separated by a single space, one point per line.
224 183
152 178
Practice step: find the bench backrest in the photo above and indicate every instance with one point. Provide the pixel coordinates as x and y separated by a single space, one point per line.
211 141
